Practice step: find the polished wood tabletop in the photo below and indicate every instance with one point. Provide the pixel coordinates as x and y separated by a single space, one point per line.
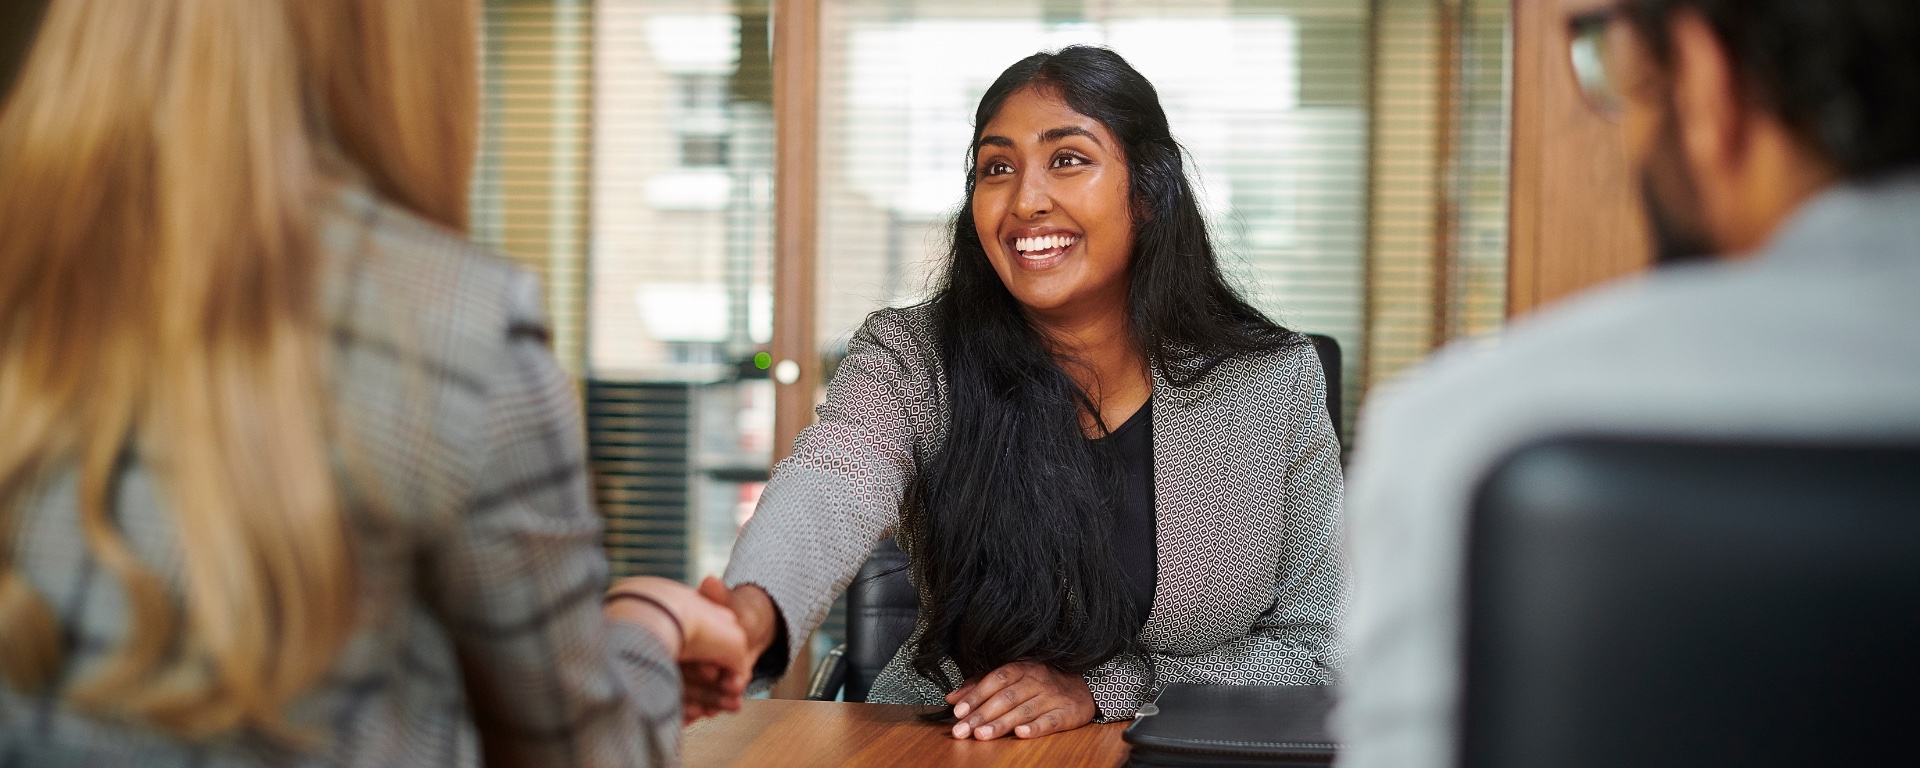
780 732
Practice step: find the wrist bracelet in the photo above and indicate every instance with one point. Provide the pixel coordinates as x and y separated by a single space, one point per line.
650 600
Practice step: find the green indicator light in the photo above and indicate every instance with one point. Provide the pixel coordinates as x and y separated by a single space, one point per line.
762 360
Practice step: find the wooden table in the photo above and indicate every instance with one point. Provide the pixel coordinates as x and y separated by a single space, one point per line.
779 732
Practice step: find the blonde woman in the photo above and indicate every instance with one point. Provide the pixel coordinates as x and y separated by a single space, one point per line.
287 472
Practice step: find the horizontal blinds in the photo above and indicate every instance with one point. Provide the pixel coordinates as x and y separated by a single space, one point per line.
679 261
1437 262
529 193
682 188
626 157
1407 106
638 438
1269 98
673 98
1479 279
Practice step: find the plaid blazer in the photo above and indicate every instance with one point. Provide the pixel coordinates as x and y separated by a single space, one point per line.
1247 502
480 573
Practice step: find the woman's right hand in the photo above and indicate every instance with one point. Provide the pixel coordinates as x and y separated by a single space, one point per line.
752 606
712 648
758 617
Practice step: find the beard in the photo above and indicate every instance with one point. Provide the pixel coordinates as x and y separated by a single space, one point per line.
1672 200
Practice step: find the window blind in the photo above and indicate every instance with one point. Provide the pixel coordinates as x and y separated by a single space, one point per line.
529 189
637 437
679 270
1407 103
680 250
1333 199
682 207
626 157
1438 224
1478 287
1267 97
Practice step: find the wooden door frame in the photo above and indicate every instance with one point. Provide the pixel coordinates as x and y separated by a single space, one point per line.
796 115
1575 220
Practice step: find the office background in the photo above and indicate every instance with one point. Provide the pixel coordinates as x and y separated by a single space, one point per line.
1353 158
1380 171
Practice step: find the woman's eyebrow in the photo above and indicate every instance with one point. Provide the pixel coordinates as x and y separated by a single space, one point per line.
1056 134
1047 137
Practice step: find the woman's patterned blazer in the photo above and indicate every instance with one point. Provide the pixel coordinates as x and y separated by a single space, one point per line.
1247 489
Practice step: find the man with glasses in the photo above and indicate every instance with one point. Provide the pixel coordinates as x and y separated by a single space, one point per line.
1777 146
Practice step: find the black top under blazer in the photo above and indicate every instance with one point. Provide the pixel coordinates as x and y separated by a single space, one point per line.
1247 490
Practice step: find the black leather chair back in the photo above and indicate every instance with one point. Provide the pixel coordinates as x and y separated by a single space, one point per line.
1655 603
1329 350
881 610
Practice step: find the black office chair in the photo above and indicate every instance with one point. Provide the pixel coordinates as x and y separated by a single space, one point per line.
1329 350
1652 603
882 605
881 610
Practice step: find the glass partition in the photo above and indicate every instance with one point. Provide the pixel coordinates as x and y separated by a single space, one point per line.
1267 97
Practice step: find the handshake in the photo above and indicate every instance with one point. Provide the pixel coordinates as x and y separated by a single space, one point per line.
702 631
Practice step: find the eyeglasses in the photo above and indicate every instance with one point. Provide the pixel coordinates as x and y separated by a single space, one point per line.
1593 67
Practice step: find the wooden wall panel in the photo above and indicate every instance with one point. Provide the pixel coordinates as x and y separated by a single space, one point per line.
1576 222
796 109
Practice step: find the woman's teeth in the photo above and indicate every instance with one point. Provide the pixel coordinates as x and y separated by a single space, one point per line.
1044 245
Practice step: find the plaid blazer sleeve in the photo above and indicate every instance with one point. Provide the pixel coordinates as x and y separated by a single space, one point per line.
518 581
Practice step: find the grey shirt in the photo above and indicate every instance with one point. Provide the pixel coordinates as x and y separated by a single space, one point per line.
1817 337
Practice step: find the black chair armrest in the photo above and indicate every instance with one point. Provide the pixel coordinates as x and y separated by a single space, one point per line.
830 677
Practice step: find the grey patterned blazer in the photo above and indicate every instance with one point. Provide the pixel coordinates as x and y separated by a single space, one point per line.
481 631
1247 501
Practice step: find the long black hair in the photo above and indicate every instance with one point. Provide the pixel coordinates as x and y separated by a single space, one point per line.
1013 541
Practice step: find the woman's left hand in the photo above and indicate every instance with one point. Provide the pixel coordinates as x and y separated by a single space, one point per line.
1024 699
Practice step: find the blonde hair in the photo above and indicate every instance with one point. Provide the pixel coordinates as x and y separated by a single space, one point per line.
160 298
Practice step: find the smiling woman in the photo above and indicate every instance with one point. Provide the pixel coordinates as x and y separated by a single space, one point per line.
1108 470
1051 183
1051 213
